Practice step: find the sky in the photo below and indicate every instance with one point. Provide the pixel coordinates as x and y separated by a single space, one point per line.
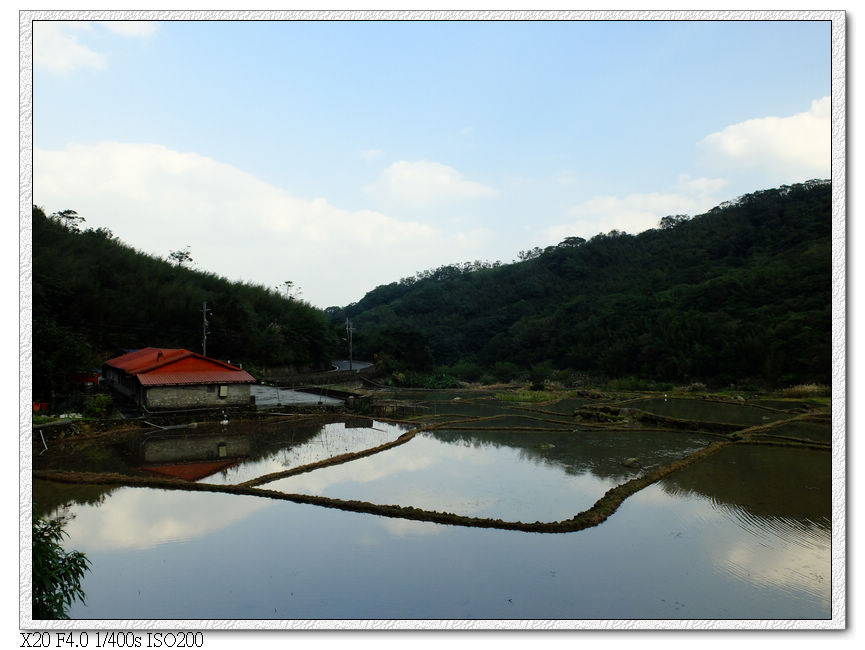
344 155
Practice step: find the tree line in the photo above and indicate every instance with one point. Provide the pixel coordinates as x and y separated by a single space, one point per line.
95 297
739 294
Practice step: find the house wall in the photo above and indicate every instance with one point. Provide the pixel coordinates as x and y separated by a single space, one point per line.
124 384
198 396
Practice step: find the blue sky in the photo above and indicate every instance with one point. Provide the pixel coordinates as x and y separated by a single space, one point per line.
344 155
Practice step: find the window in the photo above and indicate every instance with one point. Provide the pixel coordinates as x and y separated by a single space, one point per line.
223 391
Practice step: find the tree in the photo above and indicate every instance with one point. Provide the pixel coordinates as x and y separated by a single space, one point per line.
289 291
180 257
83 310
57 573
672 220
530 254
571 242
596 306
104 233
70 219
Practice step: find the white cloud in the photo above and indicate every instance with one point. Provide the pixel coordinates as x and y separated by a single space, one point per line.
766 151
785 149
372 154
701 186
237 226
131 28
566 178
632 214
56 45
56 48
425 183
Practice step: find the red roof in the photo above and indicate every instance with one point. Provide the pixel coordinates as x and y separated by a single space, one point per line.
170 367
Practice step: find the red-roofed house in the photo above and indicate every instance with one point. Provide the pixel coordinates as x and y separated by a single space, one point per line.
159 378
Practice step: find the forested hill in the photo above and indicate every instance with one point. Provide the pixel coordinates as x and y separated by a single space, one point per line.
741 293
94 296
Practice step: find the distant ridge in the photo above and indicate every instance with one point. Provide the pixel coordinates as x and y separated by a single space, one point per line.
740 293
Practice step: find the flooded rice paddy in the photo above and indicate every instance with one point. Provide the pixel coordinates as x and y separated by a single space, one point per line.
717 526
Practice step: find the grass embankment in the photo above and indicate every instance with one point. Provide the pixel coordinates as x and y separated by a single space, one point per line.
598 513
531 396
334 460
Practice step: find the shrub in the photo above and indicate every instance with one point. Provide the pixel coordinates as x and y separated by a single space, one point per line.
467 370
807 390
527 396
57 574
411 379
636 383
539 374
506 371
568 378
97 406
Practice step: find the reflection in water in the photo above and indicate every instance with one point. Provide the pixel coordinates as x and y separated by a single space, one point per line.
330 440
514 476
742 534
780 498
778 553
192 456
211 453
603 453
818 431
139 519
767 482
661 556
408 528
705 411
136 518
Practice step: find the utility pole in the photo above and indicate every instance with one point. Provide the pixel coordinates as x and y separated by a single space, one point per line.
204 329
348 332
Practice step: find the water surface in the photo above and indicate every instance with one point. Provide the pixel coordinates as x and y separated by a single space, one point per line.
706 410
742 534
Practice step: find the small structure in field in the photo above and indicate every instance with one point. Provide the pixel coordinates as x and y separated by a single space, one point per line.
160 378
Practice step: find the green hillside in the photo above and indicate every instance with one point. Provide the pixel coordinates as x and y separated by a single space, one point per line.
94 296
741 293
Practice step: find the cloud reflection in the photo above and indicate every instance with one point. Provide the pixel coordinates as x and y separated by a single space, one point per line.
409 528
135 518
484 480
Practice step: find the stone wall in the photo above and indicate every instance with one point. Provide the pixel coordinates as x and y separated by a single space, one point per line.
201 396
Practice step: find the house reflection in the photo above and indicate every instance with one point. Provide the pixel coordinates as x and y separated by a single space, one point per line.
359 423
193 456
